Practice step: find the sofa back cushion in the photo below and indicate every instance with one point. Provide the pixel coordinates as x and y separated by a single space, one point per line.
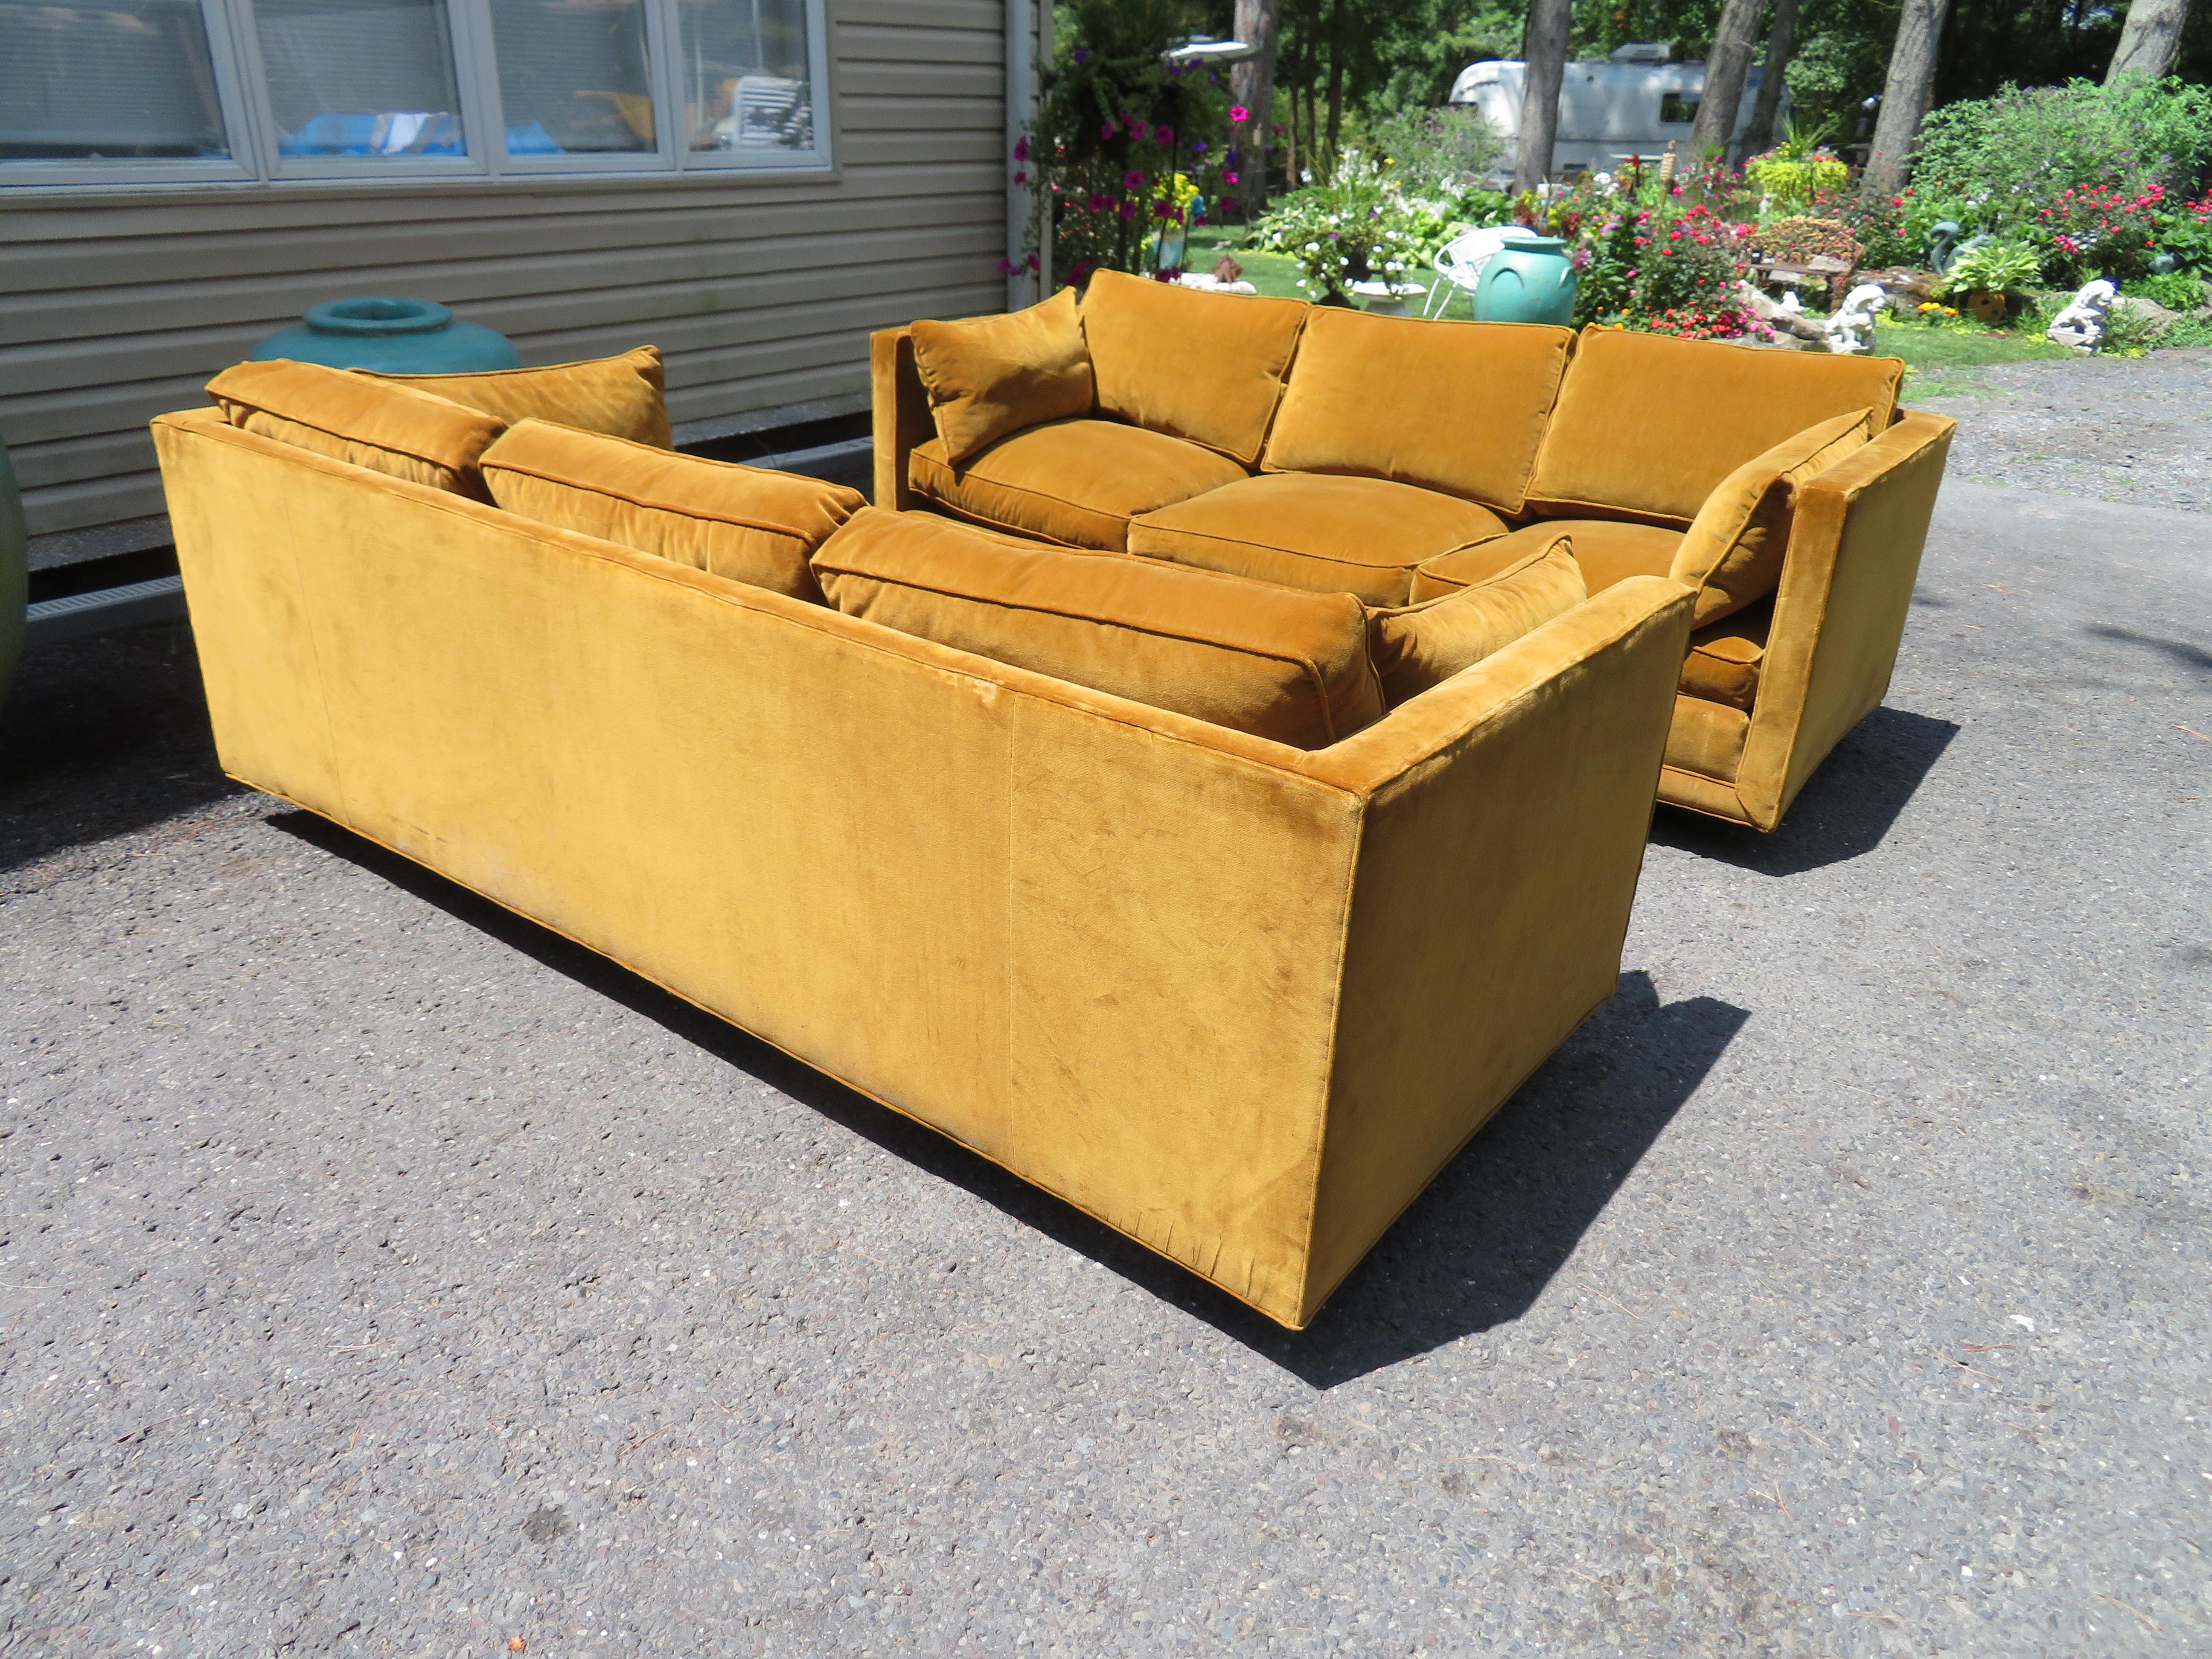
1417 645
1271 661
1208 367
1455 407
1732 553
1646 424
378 424
743 522
625 397
991 376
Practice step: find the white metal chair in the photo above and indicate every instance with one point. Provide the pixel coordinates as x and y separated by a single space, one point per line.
1460 260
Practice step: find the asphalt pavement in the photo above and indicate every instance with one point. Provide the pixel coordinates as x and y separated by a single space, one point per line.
382 1275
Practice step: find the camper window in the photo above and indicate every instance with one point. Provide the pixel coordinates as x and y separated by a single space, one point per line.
1677 108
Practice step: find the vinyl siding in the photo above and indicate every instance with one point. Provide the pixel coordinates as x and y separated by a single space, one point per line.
761 293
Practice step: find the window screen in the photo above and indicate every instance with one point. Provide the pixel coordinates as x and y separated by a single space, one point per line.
745 74
573 77
118 78
361 78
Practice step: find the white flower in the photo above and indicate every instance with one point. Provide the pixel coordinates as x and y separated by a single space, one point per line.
1313 247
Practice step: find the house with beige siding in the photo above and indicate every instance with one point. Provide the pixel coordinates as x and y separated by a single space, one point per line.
753 186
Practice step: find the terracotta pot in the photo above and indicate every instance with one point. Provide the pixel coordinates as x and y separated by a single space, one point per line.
1988 307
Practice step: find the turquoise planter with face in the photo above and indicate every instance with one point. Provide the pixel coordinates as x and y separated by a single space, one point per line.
392 337
15 577
1528 280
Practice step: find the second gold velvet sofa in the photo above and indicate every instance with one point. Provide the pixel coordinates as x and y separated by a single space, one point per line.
1391 459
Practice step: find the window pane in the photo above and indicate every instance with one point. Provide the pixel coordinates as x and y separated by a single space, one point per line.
361 77
746 75
113 78
573 77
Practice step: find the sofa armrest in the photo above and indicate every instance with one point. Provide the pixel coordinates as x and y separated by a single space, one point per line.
1855 548
901 414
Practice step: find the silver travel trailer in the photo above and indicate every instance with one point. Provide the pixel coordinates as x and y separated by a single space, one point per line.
1633 104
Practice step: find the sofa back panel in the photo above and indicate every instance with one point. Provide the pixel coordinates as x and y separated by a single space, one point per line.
1281 664
624 396
748 523
1457 407
1646 425
1099 944
1205 367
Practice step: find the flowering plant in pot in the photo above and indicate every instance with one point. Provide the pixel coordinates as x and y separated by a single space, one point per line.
1990 276
1351 229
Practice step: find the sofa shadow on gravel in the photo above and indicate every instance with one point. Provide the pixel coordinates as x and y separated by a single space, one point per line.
1474 1251
1851 803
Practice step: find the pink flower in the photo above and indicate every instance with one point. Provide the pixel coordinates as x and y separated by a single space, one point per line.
1107 130
1163 135
1238 112
1021 176
1128 209
1228 178
1096 205
1021 150
1133 179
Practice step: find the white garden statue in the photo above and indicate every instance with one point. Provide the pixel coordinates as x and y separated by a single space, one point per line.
2081 325
1851 331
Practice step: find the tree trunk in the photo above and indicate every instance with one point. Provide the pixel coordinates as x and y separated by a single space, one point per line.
1336 80
1905 96
1759 136
1545 56
1727 65
1252 83
2148 39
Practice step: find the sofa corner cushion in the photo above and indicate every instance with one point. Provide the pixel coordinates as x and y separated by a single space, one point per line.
625 396
1273 662
1725 659
1076 481
396 429
1451 406
1707 737
1732 553
989 376
1416 646
746 523
1326 533
1609 551
1208 367
1647 425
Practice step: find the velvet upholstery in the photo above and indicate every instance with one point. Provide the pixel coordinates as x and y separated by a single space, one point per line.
900 418
1238 1000
624 396
1205 367
1277 663
1607 551
1706 738
1725 658
1350 535
1647 425
1402 398
1732 551
1416 646
990 376
1076 483
748 523
380 424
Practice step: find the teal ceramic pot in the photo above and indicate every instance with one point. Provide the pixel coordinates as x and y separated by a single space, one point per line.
392 337
1528 280
15 580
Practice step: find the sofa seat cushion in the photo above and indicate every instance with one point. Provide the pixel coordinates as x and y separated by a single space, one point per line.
1607 549
1332 535
990 376
624 396
387 427
1707 739
1725 659
1416 646
1271 661
1457 407
1733 552
1078 482
1647 425
747 523
1207 367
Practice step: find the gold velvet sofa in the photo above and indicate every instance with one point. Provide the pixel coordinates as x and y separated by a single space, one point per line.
1329 449
1239 999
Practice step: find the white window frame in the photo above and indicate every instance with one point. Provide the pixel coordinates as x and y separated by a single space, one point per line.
250 129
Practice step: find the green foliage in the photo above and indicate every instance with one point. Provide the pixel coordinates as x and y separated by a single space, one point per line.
1993 268
1877 223
1835 67
1436 152
1351 229
2177 290
1791 179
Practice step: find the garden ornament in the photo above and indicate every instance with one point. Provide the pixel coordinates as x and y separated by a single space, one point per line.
1942 240
1851 331
2081 325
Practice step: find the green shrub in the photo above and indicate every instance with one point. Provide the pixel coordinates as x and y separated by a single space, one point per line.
1437 152
2177 290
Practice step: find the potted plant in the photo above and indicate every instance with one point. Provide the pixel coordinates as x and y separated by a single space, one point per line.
1989 277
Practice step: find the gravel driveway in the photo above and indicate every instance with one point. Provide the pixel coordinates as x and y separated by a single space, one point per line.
383 1275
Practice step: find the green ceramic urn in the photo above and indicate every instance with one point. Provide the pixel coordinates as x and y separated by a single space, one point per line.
1528 280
